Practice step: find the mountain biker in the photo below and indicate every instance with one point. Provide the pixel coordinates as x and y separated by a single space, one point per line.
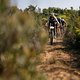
61 26
63 22
53 22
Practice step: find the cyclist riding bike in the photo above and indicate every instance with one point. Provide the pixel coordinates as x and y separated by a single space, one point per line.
63 23
52 23
61 27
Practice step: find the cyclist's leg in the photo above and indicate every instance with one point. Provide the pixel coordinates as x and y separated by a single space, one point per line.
58 30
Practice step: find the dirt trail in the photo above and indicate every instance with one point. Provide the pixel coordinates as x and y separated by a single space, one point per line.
58 63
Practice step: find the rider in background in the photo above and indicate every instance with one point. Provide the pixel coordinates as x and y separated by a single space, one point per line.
61 27
53 22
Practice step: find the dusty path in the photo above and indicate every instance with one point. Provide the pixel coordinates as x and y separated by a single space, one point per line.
58 64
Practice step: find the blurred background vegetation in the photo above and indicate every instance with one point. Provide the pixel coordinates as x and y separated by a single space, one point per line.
22 38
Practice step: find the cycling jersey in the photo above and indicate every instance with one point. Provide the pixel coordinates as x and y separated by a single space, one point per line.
52 21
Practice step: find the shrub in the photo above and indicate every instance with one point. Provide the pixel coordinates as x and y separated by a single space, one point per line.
72 35
21 39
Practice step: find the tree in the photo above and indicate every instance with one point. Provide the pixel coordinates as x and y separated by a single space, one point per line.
72 8
45 12
50 10
32 8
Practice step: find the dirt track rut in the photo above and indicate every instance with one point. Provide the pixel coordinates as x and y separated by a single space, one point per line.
57 63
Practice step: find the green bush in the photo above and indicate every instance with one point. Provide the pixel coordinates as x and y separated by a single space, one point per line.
72 35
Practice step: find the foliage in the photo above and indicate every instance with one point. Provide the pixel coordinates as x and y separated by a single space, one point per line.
22 38
4 4
72 37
